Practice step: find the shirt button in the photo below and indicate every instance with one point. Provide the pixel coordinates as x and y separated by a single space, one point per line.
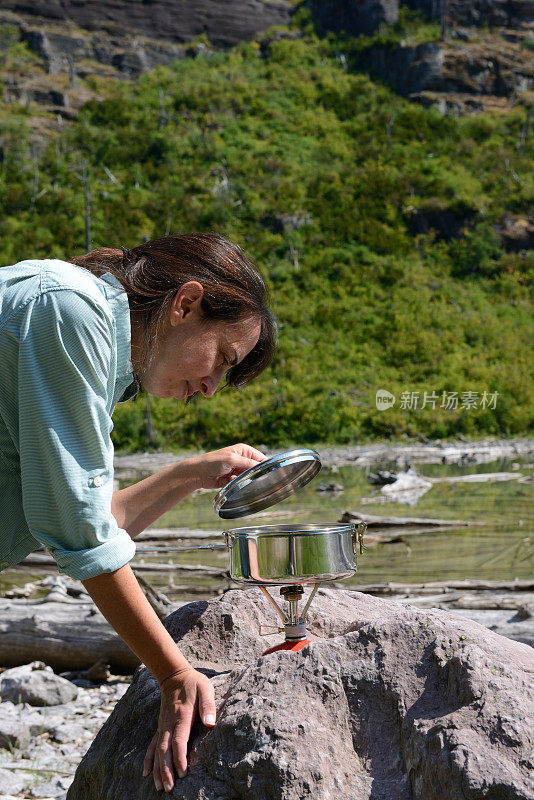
97 481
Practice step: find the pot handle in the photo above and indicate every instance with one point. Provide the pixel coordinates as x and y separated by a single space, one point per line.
230 539
358 530
228 535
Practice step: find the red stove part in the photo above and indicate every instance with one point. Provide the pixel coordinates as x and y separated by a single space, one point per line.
295 646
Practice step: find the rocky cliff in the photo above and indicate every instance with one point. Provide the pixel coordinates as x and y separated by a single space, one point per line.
470 70
225 24
508 13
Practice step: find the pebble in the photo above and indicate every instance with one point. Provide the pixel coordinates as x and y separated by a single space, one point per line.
35 742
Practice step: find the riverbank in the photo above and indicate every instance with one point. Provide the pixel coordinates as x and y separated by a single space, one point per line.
481 451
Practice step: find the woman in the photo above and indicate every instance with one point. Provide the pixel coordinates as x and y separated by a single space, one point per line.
176 315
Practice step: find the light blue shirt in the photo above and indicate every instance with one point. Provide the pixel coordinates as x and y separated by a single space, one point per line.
64 363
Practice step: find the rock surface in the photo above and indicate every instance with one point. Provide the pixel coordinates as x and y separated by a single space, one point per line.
354 18
455 75
37 685
225 24
477 12
391 703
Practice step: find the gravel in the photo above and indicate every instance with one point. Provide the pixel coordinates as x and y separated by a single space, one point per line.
40 748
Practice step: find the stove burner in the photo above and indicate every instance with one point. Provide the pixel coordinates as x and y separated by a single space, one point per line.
294 625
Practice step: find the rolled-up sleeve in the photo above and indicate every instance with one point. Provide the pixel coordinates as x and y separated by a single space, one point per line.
66 353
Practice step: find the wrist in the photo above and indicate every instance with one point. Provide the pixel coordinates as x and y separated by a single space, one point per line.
175 677
188 474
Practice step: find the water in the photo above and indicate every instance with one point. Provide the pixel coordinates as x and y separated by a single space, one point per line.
500 549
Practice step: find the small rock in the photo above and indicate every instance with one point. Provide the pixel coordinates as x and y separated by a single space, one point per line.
462 34
13 734
329 487
69 732
523 612
37 685
14 783
466 459
382 477
54 787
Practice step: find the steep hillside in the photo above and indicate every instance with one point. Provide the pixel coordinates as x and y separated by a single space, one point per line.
384 229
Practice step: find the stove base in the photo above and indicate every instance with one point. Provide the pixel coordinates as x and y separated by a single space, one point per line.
295 646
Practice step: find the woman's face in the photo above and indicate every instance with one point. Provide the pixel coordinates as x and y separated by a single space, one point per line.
193 354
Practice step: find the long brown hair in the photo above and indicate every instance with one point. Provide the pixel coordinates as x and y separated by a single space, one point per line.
151 274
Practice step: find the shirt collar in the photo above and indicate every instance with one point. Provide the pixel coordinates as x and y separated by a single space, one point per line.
118 301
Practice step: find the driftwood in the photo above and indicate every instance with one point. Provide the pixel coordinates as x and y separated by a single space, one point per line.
431 452
44 560
373 520
479 477
163 534
65 636
436 587
68 633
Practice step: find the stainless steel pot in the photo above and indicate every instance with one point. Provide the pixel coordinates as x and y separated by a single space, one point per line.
280 555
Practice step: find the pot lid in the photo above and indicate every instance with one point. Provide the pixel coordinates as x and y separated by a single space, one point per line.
267 483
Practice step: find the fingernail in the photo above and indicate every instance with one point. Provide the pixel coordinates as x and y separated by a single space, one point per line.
159 786
209 719
146 771
181 774
167 786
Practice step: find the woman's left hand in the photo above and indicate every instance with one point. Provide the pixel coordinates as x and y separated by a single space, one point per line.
215 469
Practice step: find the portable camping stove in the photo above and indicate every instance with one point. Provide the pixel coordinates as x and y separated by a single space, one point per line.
294 625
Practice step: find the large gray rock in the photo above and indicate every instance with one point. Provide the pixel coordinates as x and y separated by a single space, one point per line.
36 685
392 703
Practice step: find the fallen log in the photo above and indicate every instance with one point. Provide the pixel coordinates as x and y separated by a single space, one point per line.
162 534
432 452
44 560
65 636
479 477
373 520
68 633
436 587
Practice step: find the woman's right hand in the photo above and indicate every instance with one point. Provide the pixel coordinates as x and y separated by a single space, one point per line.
182 695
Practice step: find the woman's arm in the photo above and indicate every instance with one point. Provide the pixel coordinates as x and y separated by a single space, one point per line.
122 602
183 689
138 506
